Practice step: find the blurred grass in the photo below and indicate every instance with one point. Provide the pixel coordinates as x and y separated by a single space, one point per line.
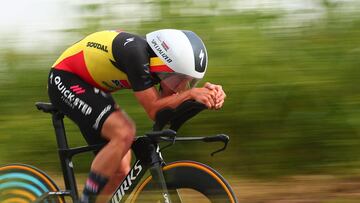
292 102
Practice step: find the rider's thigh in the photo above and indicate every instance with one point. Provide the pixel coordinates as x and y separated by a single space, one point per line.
118 126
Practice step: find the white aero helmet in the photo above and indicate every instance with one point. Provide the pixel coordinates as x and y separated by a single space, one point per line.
181 58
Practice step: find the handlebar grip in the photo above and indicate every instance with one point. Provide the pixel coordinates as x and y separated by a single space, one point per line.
162 133
217 138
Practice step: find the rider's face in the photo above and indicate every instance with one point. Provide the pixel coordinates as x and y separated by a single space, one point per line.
174 84
165 90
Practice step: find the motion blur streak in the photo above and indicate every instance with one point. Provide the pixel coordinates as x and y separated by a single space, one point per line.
290 70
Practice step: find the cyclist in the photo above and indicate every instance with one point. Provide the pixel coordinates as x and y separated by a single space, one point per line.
84 76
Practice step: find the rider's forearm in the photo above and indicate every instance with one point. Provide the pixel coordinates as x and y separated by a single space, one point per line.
171 101
152 101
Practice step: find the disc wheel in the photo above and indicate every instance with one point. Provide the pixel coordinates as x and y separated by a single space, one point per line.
188 181
21 183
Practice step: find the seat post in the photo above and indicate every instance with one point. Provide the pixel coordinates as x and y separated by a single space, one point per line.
65 159
58 123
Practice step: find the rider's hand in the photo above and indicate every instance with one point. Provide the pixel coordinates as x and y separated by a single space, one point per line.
219 96
204 95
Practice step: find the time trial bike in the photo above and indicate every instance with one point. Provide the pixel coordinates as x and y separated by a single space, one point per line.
20 183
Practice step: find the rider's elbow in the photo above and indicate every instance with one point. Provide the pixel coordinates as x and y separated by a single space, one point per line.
152 114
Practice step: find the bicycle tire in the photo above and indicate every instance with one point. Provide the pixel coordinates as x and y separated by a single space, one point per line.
189 175
20 183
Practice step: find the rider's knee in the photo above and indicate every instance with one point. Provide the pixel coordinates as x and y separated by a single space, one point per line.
119 128
126 132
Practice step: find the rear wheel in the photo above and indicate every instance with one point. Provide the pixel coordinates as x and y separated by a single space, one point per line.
188 181
21 183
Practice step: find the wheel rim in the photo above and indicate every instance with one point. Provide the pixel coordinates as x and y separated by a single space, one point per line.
210 173
22 184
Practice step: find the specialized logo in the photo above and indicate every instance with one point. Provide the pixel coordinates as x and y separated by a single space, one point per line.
68 96
125 185
161 52
97 46
77 89
201 56
103 112
129 40
165 46
166 198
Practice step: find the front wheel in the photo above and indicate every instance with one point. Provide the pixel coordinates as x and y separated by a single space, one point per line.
188 181
20 183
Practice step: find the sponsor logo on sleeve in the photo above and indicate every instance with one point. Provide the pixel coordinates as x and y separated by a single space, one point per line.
128 40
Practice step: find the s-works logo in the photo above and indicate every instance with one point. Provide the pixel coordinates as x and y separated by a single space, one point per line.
125 186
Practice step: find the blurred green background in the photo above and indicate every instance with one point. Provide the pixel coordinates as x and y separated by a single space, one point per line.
291 71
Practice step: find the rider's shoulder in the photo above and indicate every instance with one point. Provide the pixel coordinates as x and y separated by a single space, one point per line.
128 37
129 42
120 36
